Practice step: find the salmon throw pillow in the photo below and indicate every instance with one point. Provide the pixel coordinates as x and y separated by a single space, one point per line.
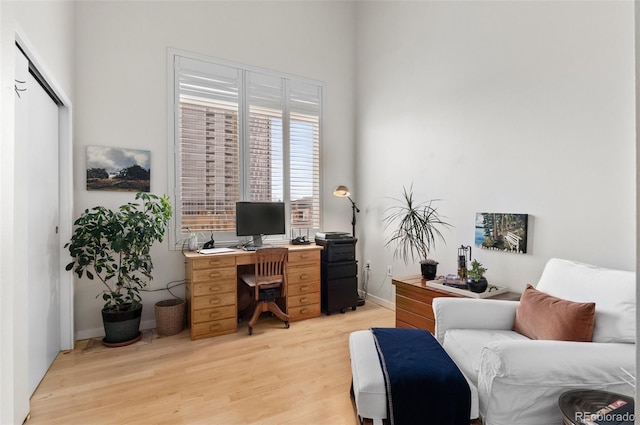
542 316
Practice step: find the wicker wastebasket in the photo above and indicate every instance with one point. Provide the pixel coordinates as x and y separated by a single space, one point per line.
170 316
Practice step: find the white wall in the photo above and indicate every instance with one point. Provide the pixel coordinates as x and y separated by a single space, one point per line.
121 87
46 28
514 107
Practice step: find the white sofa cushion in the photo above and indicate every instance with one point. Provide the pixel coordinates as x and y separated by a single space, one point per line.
613 291
368 382
465 346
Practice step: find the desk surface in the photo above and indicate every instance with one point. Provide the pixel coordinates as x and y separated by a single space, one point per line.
249 254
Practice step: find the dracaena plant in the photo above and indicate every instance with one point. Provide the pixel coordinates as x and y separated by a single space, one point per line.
113 247
416 226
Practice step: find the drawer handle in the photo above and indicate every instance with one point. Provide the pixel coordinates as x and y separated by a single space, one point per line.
304 276
214 314
214 288
304 288
214 301
304 300
304 256
303 310
214 327
215 274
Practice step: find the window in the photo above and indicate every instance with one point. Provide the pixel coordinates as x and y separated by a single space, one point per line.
241 134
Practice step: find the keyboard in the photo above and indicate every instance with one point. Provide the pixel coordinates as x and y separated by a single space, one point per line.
215 250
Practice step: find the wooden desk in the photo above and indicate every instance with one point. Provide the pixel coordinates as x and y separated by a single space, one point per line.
212 288
414 302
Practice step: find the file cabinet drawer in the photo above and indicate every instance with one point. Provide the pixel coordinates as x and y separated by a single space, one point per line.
215 287
304 312
211 314
214 301
214 274
213 328
213 262
311 256
301 300
303 274
303 288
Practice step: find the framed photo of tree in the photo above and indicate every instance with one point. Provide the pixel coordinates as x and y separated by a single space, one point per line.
502 232
118 169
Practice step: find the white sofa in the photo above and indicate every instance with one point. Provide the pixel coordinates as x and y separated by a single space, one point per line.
519 380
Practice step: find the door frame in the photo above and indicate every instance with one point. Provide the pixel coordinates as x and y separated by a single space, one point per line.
65 155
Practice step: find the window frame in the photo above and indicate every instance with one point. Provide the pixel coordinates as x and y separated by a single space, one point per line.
177 239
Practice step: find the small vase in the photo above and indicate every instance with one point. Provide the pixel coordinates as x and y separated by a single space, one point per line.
478 286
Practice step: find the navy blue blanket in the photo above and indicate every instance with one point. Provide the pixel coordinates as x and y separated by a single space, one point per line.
424 386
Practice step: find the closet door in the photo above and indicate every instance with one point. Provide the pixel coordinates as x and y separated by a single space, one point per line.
37 115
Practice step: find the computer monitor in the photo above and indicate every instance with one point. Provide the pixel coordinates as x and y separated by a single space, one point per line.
260 218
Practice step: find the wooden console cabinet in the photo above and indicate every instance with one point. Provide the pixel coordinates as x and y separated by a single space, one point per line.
414 302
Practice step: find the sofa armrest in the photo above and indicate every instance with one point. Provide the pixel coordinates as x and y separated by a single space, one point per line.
469 313
557 363
513 373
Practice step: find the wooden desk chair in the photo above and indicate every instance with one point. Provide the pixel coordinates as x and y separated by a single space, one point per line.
268 283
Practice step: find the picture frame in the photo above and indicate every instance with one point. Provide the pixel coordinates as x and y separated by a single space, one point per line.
505 232
118 169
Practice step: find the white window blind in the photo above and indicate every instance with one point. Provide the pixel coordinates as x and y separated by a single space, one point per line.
208 146
304 157
266 115
243 134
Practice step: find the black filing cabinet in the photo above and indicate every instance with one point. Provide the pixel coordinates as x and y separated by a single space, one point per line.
339 274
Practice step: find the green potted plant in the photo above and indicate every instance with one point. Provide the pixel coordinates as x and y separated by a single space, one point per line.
113 246
476 280
416 228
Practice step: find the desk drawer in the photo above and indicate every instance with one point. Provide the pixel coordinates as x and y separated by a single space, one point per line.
213 328
211 314
214 274
214 301
213 262
304 312
303 288
304 256
303 274
217 287
301 300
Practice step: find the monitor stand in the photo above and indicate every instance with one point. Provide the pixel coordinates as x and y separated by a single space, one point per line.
256 243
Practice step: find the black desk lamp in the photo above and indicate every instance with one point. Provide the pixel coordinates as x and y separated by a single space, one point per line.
343 192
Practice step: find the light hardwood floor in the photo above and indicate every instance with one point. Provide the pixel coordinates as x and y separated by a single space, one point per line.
300 375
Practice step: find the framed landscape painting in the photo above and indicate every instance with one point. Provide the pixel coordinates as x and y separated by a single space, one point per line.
123 170
502 232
